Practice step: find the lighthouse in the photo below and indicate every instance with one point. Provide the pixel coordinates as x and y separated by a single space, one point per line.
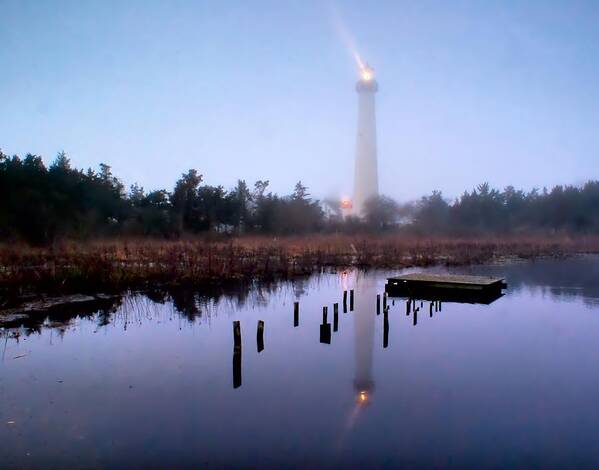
366 184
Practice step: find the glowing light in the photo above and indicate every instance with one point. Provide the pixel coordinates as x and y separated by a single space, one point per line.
367 73
363 397
346 203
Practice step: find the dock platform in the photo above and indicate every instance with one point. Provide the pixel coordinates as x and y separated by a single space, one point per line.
476 289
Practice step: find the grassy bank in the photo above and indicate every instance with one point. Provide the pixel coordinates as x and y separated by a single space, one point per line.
131 263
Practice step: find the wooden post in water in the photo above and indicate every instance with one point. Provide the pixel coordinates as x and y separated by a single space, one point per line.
325 328
335 316
408 306
325 333
384 300
378 304
295 314
415 316
431 310
344 301
260 336
351 300
237 336
439 305
236 354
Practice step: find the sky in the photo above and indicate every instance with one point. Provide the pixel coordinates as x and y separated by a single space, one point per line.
502 91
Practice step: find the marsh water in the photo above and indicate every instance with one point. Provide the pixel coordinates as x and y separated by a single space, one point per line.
151 380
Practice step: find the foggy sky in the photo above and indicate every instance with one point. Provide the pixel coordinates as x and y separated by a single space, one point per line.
504 92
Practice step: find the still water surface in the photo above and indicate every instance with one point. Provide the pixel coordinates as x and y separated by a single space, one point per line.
150 381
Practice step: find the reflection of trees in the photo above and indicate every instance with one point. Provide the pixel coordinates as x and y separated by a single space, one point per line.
100 308
192 304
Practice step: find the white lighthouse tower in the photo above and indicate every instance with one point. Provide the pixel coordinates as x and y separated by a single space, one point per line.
366 182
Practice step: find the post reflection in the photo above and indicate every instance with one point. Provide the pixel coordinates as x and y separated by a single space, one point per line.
236 354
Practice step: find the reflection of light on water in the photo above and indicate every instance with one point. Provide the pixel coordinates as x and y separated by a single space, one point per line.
363 400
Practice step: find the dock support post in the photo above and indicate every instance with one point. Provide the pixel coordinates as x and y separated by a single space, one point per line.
408 306
325 311
431 310
351 300
378 304
384 300
415 317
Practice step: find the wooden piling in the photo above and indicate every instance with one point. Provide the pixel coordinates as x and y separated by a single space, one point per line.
408 306
351 300
325 311
431 310
325 333
237 336
415 317
378 304
260 336
236 354
295 314
335 319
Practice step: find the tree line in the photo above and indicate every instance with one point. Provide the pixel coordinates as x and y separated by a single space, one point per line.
40 204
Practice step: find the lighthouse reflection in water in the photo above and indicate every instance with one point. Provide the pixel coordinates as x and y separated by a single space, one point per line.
364 318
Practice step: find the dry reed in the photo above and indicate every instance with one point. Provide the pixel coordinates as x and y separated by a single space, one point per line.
131 263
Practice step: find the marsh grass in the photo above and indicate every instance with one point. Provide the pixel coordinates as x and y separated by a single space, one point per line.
133 263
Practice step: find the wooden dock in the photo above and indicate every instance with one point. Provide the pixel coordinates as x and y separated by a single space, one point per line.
447 287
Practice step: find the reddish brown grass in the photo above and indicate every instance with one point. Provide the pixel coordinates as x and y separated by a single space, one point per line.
125 263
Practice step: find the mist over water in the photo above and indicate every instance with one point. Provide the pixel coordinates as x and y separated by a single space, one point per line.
150 379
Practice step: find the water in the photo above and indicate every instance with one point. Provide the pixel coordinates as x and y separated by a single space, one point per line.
148 383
